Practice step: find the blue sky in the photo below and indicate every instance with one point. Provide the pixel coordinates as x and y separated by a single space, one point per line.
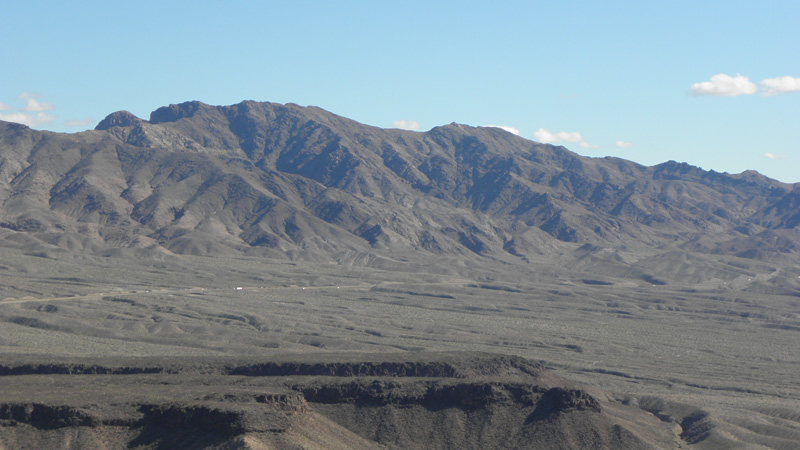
714 84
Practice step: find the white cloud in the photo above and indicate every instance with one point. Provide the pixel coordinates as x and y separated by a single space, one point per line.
22 118
511 130
779 85
725 86
43 118
33 105
79 122
30 120
770 155
31 114
548 137
623 144
406 125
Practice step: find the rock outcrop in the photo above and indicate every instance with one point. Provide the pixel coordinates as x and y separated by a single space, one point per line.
373 402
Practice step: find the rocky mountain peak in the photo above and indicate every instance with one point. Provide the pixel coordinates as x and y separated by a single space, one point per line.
173 113
118 119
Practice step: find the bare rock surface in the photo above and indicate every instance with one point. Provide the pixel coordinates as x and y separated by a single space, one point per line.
514 403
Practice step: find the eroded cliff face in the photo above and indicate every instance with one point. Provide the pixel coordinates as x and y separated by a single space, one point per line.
463 401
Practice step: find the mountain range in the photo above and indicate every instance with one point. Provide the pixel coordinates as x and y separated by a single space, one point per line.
292 182
276 276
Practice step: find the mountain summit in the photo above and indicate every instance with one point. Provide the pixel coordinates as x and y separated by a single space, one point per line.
288 181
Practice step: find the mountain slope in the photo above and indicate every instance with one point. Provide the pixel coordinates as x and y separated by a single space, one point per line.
299 182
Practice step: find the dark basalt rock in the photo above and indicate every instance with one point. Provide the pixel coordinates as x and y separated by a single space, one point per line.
46 416
407 369
483 365
560 400
75 369
435 395
214 419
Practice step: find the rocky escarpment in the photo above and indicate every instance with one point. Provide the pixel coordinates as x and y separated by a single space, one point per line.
465 395
219 417
46 416
560 400
429 365
223 419
268 412
481 365
376 401
76 369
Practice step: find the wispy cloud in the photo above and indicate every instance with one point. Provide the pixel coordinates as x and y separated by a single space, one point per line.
33 105
623 144
548 137
507 128
724 86
22 118
412 125
31 120
770 155
780 85
32 113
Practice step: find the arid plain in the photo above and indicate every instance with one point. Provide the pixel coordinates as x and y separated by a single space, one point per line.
714 348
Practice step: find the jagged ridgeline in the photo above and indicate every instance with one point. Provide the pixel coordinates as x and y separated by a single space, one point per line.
286 181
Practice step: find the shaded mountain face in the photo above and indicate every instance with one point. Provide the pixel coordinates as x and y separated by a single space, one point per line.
287 181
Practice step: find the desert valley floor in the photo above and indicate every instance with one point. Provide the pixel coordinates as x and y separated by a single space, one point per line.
715 350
